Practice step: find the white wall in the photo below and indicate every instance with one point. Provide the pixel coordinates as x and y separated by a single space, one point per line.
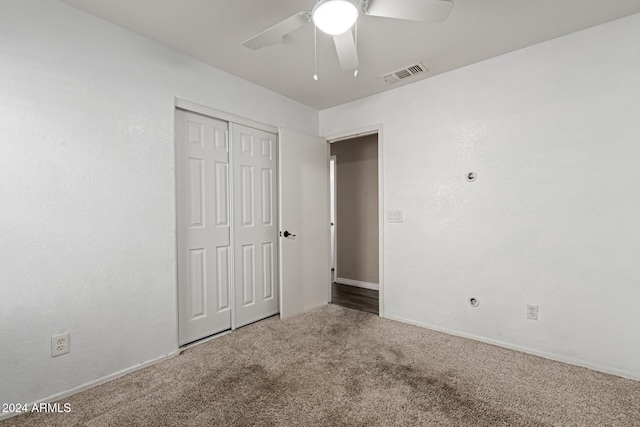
553 133
87 222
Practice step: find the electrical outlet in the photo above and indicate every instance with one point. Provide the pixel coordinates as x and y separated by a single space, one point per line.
532 312
59 344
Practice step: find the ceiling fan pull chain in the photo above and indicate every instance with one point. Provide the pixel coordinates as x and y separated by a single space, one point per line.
315 53
355 50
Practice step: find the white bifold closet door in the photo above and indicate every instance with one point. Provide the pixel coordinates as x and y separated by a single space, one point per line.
203 226
227 258
255 224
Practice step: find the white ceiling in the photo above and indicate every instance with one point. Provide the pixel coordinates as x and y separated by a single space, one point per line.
213 31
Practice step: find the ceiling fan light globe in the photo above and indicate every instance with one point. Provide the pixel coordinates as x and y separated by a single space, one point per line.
334 16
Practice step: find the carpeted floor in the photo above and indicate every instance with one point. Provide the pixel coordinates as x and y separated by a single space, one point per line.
340 367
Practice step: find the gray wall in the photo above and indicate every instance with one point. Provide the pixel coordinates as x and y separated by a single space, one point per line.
552 131
87 169
357 208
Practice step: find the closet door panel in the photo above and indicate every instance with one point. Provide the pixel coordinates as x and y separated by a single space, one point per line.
255 228
203 226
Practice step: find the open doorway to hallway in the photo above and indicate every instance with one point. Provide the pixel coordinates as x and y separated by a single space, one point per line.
355 223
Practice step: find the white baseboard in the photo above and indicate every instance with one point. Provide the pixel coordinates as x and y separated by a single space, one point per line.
357 283
94 383
544 354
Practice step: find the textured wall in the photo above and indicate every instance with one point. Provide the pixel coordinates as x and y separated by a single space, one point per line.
357 208
87 195
552 131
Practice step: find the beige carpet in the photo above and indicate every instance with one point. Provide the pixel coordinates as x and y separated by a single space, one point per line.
339 367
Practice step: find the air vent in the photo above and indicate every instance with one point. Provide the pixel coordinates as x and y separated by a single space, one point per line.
404 73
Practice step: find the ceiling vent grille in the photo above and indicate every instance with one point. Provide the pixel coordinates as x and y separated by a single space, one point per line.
404 73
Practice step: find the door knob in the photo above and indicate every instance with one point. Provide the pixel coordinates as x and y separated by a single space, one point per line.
287 234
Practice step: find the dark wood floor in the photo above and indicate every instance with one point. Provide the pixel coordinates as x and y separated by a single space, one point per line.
354 297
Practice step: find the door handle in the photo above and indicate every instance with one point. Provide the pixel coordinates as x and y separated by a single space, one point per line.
287 234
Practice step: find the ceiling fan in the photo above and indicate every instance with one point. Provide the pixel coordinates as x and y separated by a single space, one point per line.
337 17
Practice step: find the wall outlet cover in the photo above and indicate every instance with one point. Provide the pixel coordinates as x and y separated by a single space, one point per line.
60 344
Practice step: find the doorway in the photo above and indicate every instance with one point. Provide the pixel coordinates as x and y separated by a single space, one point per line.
354 181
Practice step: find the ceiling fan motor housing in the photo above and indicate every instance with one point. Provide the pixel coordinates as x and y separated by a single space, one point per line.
335 16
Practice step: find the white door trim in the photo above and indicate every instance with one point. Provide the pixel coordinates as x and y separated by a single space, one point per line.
368 130
334 214
217 114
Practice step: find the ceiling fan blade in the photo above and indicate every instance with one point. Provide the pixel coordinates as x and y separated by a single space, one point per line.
274 34
412 10
346 48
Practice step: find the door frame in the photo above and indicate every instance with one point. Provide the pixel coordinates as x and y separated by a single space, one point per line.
229 118
333 159
364 131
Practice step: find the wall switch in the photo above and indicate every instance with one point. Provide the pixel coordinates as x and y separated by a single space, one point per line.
532 312
59 344
394 216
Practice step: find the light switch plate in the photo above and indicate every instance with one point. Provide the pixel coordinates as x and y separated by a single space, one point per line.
394 216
